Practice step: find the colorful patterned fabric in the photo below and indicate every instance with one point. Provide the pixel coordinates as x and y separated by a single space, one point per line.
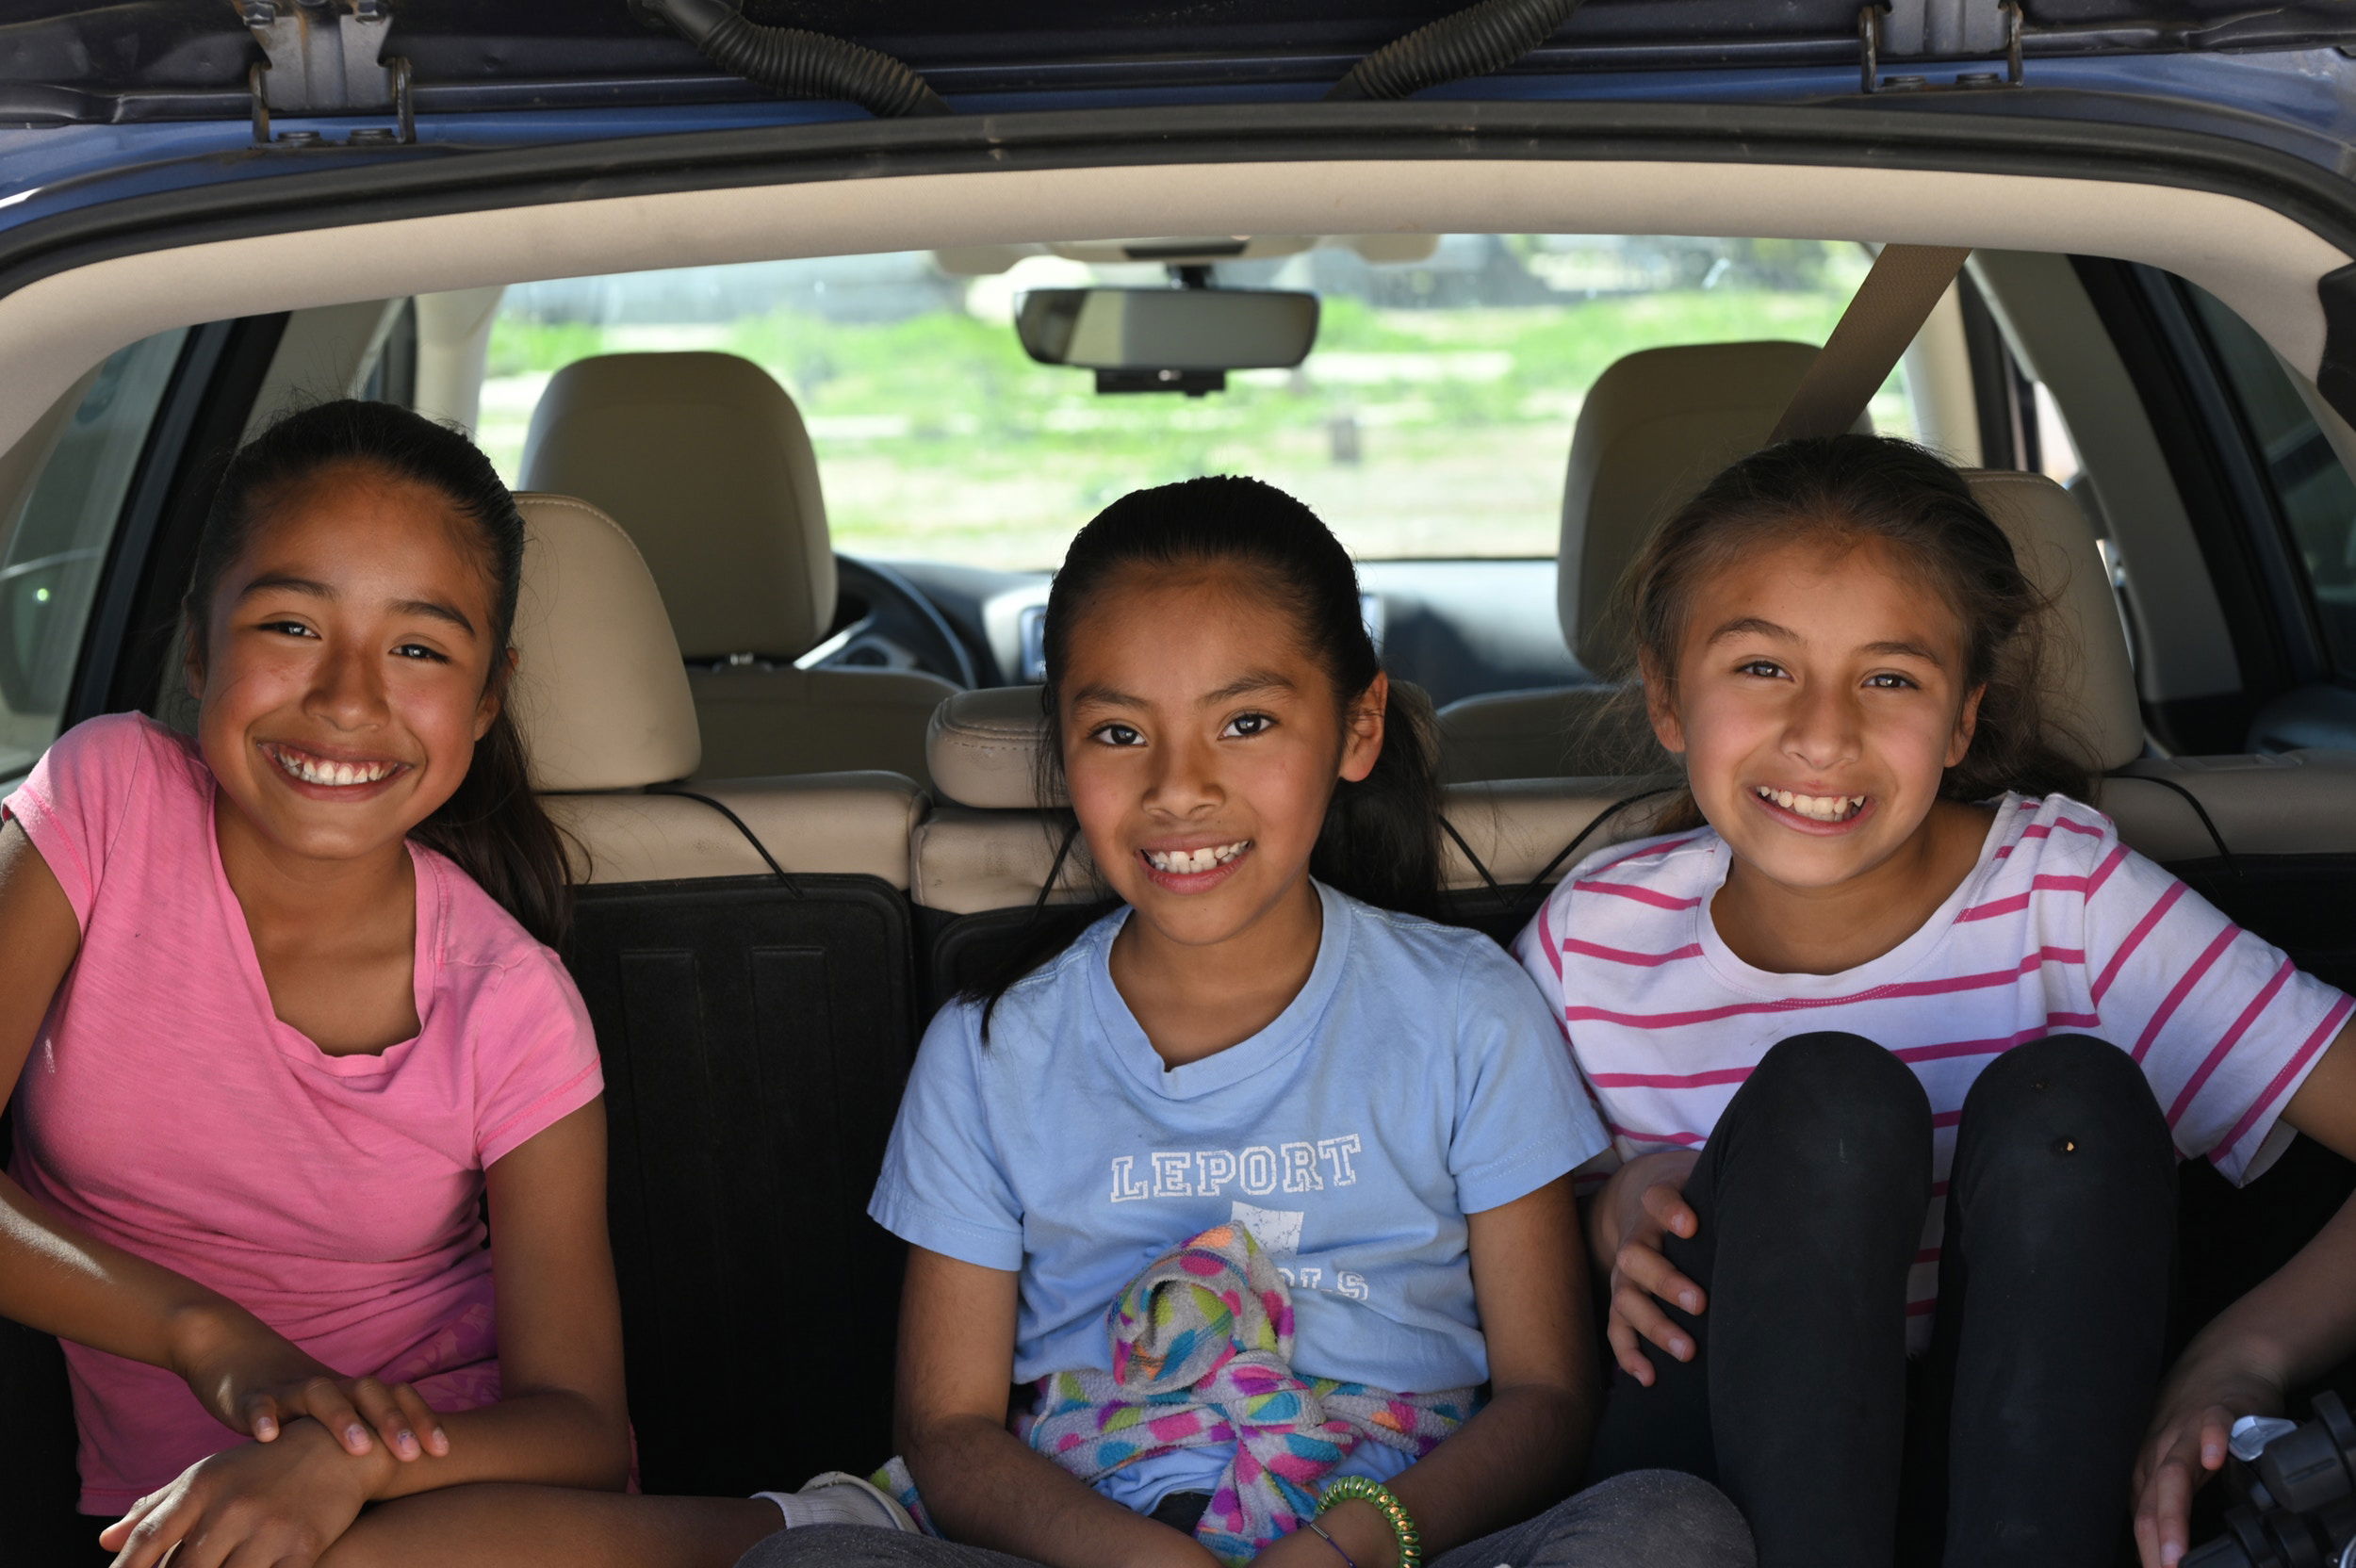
1202 1345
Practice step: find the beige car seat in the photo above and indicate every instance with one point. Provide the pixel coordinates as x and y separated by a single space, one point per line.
1653 429
703 459
745 956
607 714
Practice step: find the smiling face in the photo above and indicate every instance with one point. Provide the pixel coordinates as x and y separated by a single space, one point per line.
1200 743
1820 695
346 664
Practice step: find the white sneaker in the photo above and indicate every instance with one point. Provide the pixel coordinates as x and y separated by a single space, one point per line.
838 1497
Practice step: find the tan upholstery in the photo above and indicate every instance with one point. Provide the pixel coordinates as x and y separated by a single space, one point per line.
763 721
1651 431
2287 803
2090 683
598 692
1654 429
1548 733
704 459
991 848
1517 826
840 824
983 748
967 861
603 702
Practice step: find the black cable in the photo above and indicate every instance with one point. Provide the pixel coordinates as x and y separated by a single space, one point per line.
800 63
1449 828
1054 869
1537 885
1471 42
2215 838
750 836
1539 881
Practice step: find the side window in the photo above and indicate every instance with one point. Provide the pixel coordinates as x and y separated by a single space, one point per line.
2311 485
53 547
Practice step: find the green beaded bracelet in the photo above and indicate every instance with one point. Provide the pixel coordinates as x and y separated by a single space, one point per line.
1347 1488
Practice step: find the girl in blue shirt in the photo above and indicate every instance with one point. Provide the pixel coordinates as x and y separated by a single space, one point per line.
1355 1123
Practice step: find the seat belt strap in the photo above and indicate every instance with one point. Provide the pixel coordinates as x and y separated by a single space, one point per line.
1888 308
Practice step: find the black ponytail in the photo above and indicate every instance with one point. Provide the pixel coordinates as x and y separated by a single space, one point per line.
492 825
1381 839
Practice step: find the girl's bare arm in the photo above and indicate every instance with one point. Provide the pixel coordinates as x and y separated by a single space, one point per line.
1527 1447
2288 1330
58 1280
560 1420
982 1484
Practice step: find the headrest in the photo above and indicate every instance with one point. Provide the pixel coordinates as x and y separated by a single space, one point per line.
703 458
983 748
599 691
2090 683
1655 428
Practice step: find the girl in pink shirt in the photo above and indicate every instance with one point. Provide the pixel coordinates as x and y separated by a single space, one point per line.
278 1015
1898 1045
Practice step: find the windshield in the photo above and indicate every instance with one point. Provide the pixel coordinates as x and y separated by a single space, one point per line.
1432 419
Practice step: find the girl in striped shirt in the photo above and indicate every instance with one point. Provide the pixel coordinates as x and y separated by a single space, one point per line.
1898 1043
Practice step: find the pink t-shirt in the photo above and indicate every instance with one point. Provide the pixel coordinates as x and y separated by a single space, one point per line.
2058 929
166 1109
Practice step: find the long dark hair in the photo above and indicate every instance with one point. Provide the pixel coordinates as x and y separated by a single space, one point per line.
491 826
1845 489
1381 839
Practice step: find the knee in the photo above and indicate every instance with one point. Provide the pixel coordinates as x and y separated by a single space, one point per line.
1842 1093
1661 1518
2049 1096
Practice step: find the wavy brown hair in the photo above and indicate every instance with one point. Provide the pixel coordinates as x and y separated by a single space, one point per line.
1843 491
492 824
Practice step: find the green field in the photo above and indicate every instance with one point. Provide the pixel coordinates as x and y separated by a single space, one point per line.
1412 431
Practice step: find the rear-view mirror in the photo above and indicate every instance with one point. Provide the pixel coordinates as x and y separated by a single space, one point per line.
1167 339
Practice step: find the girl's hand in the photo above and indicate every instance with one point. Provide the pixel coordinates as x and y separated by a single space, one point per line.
1643 1202
255 1382
2198 1406
284 1504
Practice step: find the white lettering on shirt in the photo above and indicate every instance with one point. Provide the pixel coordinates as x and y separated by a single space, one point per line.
1169 1173
1301 1169
1257 1170
1126 1188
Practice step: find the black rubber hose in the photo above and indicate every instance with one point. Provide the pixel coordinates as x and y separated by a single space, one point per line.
1471 42
798 63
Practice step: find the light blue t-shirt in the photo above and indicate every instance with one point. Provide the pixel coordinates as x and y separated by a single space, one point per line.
1418 1077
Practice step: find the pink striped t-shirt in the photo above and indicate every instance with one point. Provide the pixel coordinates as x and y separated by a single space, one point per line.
166 1109
2059 928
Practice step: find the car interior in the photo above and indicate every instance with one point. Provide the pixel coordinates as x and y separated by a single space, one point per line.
777 665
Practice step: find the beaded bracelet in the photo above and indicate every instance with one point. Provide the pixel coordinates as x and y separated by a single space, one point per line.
1347 1488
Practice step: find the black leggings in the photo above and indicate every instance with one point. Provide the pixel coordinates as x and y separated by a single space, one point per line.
2053 1299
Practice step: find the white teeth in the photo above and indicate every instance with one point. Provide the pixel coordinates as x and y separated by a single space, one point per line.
1814 807
334 774
1185 862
